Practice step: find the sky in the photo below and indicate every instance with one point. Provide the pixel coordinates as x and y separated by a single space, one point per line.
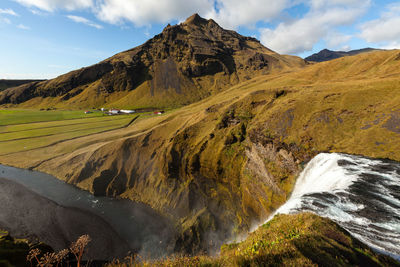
41 39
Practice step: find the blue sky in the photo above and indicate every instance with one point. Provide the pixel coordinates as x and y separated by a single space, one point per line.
46 38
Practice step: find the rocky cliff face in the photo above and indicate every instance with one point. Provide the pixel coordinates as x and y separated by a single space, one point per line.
184 63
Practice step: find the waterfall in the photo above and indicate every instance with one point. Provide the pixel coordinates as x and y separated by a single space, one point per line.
361 194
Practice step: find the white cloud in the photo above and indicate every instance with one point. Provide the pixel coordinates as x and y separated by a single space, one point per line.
234 13
291 35
142 13
391 45
318 4
385 30
5 20
138 12
52 5
38 12
8 11
335 39
23 27
345 48
324 16
85 21
228 13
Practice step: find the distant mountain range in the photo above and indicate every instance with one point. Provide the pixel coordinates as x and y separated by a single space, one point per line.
326 54
4 84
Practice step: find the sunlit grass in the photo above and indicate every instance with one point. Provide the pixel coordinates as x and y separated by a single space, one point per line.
19 116
26 131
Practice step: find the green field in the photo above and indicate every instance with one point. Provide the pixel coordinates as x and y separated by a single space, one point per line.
17 116
22 130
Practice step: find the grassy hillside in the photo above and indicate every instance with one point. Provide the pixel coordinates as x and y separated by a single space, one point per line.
288 240
222 164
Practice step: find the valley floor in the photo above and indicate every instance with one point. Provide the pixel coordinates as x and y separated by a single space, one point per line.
24 130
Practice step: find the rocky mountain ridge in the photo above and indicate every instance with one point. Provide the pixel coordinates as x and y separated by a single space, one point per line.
326 54
8 83
181 65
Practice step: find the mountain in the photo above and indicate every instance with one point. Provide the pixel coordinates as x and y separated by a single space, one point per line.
181 65
325 54
4 84
219 166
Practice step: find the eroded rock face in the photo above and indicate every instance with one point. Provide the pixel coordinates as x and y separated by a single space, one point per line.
190 60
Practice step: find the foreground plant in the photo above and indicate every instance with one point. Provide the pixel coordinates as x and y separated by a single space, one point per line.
55 259
33 254
77 248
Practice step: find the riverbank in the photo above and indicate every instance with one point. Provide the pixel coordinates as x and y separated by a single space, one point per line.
28 215
144 230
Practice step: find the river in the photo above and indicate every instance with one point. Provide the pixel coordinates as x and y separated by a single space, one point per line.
40 206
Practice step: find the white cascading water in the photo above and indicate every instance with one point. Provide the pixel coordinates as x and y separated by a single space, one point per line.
360 194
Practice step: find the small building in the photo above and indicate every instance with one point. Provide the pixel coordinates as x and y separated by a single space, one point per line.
114 111
127 111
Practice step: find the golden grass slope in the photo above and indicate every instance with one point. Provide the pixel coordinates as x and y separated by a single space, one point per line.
226 162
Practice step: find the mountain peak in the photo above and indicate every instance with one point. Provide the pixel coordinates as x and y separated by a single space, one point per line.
195 19
182 64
